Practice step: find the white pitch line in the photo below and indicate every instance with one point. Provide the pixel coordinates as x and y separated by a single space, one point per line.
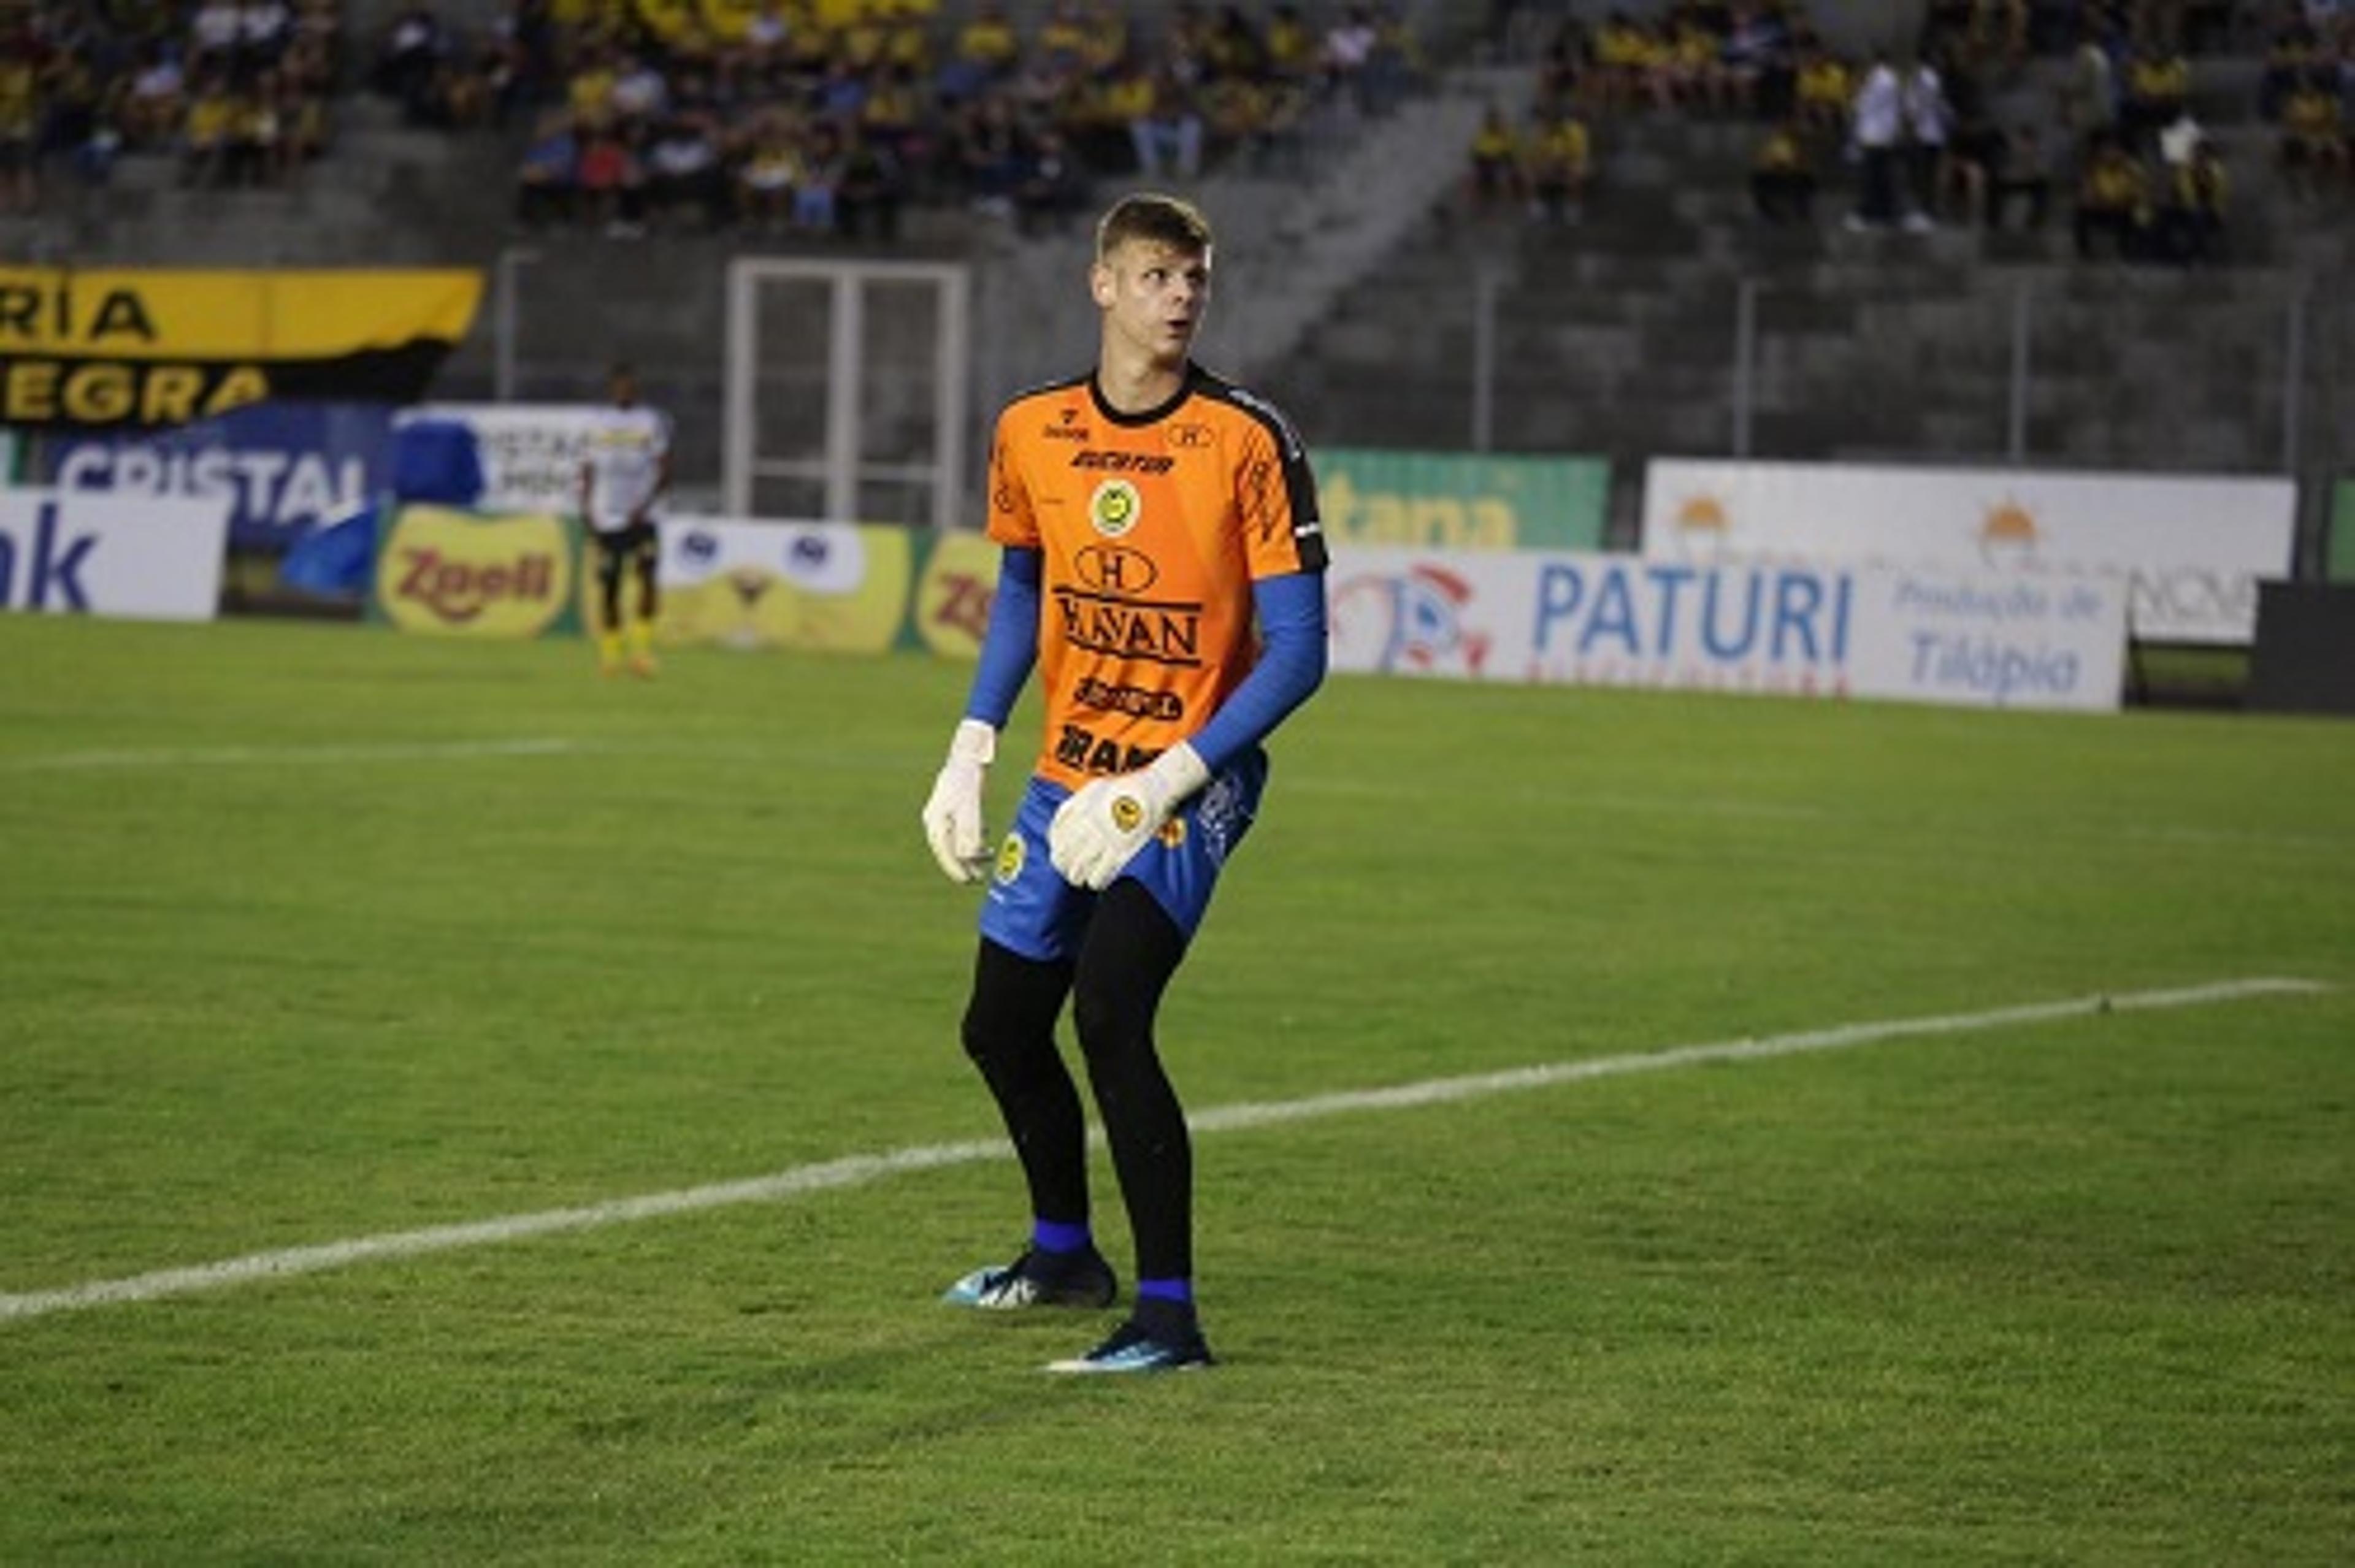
279 756
858 1170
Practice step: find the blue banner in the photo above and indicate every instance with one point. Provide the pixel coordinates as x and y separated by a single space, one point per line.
285 468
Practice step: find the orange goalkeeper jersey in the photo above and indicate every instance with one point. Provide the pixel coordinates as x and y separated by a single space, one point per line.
1152 528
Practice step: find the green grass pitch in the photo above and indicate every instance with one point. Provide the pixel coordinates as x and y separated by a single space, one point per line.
309 934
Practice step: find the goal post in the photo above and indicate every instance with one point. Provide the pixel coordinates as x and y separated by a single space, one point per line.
847 389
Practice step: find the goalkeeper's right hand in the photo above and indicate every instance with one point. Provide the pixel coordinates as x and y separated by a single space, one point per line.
953 815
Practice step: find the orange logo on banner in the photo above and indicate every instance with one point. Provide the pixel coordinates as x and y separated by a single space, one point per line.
453 573
2009 534
1701 512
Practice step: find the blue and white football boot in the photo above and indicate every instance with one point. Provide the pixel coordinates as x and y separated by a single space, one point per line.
1136 1347
1038 1278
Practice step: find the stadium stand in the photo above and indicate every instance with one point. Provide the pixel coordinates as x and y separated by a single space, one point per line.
1335 143
1620 337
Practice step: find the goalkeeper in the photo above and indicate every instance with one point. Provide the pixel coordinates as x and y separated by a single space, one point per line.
1162 570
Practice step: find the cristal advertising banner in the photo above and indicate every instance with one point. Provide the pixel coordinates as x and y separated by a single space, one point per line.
531 453
285 468
144 558
1453 501
2189 552
750 583
1920 636
453 572
107 346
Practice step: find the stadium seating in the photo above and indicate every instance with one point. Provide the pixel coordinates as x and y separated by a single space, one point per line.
1350 287
1619 334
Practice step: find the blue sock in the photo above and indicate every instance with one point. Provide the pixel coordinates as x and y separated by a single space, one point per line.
1178 1292
1055 1236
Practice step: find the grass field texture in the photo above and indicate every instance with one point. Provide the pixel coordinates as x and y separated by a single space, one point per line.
309 934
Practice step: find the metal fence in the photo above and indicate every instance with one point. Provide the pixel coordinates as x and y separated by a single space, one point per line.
2103 369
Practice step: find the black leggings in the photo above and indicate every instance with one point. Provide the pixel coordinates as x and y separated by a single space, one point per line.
1130 950
632 546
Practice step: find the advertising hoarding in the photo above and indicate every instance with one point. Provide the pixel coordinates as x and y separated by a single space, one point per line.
2189 552
1801 630
145 558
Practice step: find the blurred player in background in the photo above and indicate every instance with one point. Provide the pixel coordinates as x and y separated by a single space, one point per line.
1163 570
624 478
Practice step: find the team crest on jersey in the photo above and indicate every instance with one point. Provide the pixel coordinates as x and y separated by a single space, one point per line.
1010 855
1115 508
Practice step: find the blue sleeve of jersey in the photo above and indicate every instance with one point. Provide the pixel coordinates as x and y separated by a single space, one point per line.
1291 665
1011 646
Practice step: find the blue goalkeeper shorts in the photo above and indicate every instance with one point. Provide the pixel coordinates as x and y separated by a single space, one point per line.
1034 911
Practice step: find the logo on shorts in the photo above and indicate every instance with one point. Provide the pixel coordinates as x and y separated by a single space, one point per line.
1010 855
1127 813
1173 833
1115 508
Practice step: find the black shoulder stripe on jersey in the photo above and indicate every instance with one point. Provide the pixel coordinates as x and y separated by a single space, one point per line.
1299 483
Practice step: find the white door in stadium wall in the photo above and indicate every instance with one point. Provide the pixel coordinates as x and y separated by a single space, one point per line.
846 390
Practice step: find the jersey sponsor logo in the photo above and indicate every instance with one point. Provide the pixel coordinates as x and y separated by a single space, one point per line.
1137 701
1123 462
1187 437
1083 749
1112 569
1003 496
1168 633
1115 508
1263 503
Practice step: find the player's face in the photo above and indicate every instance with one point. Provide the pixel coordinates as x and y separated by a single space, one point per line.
1152 296
623 389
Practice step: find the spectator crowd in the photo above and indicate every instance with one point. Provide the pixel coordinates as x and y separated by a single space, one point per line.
830 116
236 91
816 116
1996 113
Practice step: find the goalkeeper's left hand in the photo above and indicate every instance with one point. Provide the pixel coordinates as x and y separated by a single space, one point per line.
1100 830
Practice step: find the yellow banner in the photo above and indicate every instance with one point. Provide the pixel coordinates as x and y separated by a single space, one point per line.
467 574
132 346
952 593
824 587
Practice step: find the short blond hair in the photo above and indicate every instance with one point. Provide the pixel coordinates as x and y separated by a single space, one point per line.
1150 216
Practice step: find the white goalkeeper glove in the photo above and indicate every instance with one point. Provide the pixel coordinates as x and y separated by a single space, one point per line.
953 815
1101 828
